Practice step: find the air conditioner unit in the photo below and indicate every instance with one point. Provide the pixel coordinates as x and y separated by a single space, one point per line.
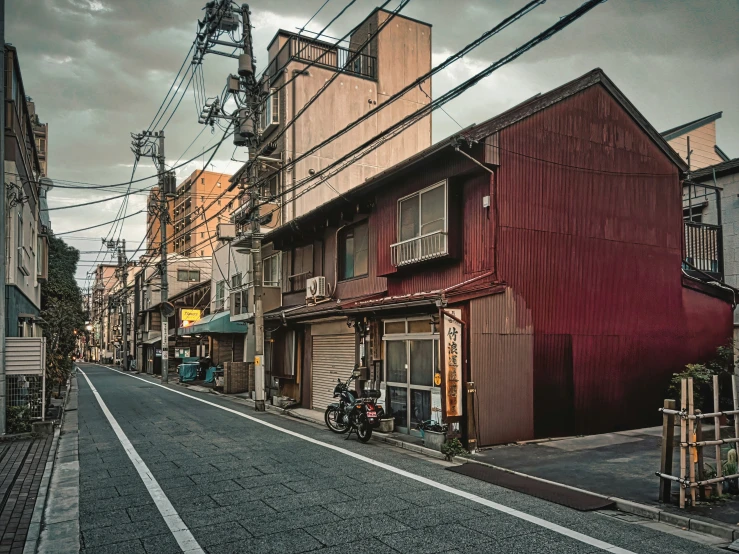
315 288
226 231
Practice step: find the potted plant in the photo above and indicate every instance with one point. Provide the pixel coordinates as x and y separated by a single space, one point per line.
387 424
433 434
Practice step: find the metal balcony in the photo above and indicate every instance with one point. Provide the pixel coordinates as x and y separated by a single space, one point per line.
419 249
704 250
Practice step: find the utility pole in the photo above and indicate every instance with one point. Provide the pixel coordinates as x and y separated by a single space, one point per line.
222 16
151 143
163 219
3 222
123 264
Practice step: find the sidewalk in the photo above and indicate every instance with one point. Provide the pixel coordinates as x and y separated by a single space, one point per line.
621 464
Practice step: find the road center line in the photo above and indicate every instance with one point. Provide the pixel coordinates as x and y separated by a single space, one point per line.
178 528
457 492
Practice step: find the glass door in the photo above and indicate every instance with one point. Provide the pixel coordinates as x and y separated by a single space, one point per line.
412 359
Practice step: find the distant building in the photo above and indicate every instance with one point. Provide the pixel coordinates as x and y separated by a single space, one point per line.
41 137
186 234
197 200
702 136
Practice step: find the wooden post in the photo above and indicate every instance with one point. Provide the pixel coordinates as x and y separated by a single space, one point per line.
668 439
717 435
699 452
683 435
691 434
469 408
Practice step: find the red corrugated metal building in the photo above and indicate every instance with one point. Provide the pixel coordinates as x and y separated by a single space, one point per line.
560 242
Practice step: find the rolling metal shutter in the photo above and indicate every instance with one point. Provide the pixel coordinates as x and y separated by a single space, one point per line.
333 358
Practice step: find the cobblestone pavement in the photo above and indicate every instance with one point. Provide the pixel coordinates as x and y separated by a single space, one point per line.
240 486
22 465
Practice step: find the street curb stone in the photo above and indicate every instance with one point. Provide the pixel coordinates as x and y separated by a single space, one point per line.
34 529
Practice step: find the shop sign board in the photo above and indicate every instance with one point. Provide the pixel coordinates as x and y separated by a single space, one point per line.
189 315
158 353
451 345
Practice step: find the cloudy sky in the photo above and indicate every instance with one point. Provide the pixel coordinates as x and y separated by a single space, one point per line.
99 69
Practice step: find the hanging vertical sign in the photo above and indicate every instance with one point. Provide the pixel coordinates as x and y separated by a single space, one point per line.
451 346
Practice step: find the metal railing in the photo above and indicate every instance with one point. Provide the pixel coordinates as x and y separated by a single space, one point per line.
704 248
418 249
324 55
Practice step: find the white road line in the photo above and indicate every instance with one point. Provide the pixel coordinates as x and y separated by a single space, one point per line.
469 496
179 530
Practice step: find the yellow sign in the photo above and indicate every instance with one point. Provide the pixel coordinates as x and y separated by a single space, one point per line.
257 361
437 379
189 314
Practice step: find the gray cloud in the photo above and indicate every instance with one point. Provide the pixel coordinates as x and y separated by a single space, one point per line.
98 70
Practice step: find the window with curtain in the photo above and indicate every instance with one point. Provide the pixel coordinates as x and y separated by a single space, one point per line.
354 251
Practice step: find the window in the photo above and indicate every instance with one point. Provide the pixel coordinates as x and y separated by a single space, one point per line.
219 201
218 185
354 251
270 187
270 115
202 199
188 275
302 267
423 213
422 226
236 281
202 235
271 271
220 294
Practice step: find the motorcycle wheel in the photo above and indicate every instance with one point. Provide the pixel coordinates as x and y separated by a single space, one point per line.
331 417
364 432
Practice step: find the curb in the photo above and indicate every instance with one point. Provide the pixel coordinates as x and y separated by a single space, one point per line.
34 530
719 530
698 525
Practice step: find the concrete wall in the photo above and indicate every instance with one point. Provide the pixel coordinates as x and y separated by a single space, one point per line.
403 51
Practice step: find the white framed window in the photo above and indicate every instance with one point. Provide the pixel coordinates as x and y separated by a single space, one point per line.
270 116
423 213
423 224
220 294
188 275
271 270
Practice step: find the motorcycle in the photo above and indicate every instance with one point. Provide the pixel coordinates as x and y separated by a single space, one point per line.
352 414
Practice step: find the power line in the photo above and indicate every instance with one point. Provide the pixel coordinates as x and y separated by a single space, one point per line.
450 60
100 224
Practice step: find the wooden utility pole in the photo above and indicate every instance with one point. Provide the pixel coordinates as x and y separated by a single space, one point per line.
123 263
163 219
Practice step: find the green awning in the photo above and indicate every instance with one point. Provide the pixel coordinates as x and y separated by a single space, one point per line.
214 324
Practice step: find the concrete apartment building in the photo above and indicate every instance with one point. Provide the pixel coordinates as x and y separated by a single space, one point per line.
400 53
104 282
192 203
193 196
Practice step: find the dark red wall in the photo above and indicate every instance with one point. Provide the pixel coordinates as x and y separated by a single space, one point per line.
590 236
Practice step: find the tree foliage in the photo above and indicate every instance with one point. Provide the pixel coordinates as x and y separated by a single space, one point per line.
61 309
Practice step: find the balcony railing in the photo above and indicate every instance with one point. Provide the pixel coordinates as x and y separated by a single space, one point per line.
418 249
324 55
704 249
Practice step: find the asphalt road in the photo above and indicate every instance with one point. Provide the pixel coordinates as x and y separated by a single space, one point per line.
265 483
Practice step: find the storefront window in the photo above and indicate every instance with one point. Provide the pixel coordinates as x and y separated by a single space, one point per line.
396 361
420 406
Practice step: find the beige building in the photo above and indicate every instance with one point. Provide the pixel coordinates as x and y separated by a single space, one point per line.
397 56
701 134
198 199
153 236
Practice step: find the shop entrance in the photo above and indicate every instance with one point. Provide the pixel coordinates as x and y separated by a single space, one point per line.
411 361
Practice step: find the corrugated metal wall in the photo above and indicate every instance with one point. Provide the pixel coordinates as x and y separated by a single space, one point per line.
590 238
502 367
